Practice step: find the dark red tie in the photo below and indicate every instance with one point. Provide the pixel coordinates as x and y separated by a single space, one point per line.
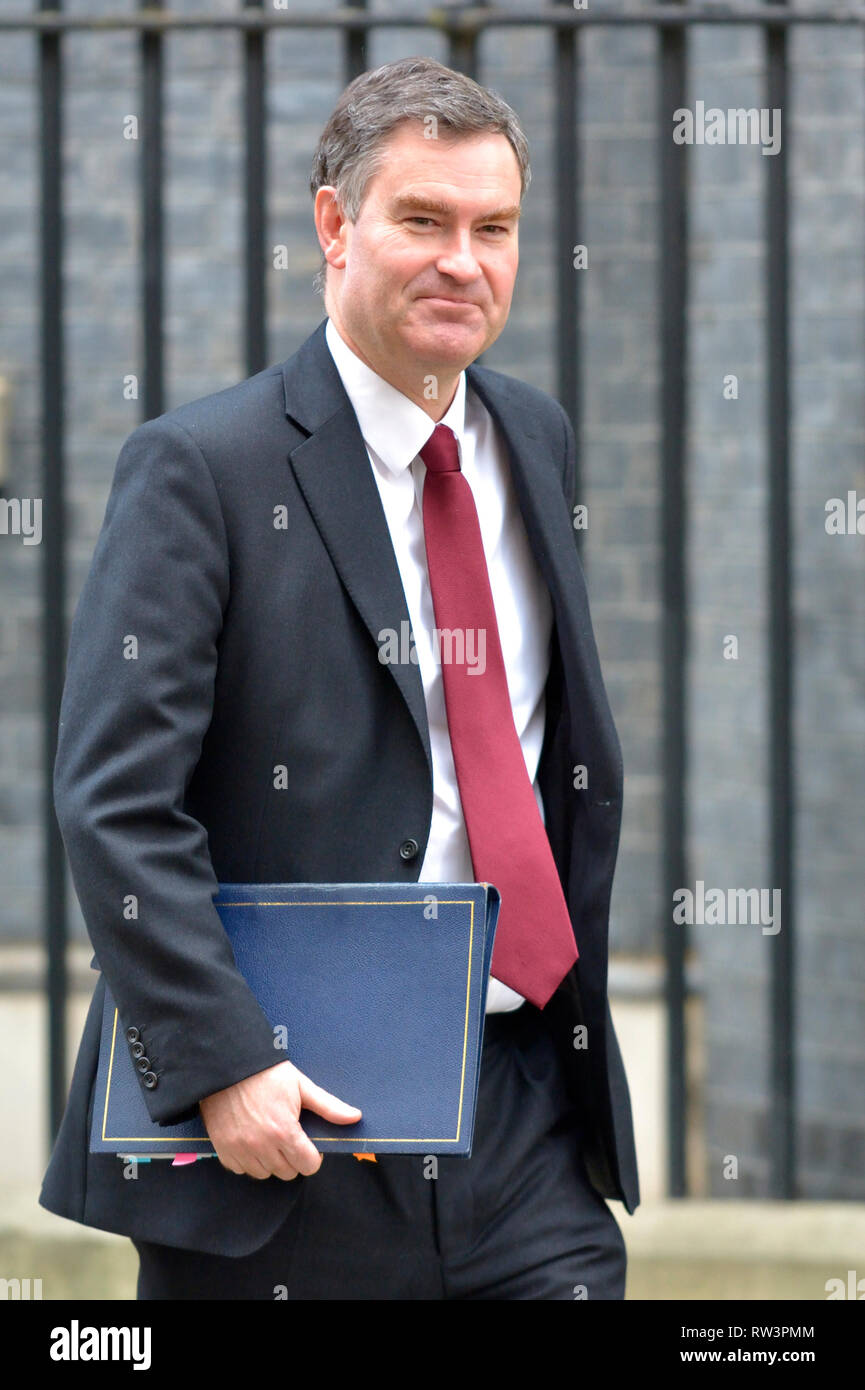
535 946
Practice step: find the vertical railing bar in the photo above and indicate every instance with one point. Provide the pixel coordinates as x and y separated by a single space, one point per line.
782 1114
463 57
53 559
354 54
568 210
463 43
672 287
255 197
152 217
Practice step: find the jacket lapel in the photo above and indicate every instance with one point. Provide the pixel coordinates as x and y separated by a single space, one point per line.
333 473
332 470
551 537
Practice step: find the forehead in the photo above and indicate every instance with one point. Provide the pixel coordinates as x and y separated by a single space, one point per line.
475 164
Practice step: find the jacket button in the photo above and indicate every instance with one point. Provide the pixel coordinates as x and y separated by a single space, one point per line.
143 1064
132 1035
137 1050
150 1079
408 849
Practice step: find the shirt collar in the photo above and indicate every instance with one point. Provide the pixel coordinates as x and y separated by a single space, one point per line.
390 423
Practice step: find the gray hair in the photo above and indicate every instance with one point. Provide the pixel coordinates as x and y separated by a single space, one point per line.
352 149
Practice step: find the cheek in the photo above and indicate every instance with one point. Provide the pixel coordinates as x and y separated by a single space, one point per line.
357 268
407 262
375 269
503 285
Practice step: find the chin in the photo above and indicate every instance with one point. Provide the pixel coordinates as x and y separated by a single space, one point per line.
446 343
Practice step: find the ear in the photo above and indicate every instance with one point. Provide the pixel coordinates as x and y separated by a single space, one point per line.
330 226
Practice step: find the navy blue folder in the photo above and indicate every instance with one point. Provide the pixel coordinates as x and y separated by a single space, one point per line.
376 991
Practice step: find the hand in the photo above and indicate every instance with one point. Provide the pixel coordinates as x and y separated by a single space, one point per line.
255 1128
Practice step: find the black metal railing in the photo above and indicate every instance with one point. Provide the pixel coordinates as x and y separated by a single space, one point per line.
462 26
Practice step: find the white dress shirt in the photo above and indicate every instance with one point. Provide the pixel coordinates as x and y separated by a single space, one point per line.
394 430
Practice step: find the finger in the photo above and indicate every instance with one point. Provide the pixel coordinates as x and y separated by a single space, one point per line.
229 1161
232 1168
303 1155
255 1168
291 1138
328 1106
289 1143
285 1168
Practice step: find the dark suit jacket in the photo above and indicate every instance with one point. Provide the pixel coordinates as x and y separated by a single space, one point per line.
229 626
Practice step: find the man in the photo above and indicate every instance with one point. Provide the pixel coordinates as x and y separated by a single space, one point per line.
231 715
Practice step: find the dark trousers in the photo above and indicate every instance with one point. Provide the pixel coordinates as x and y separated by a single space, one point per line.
517 1220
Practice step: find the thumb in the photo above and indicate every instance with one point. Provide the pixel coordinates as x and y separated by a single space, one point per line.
328 1106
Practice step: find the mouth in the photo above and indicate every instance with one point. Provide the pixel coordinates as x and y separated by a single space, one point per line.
444 299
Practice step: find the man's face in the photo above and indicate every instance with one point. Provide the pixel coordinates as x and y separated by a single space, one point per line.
424 278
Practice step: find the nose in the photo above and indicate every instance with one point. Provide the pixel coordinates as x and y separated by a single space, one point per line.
458 260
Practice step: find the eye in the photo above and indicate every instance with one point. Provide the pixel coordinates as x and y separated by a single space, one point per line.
489 227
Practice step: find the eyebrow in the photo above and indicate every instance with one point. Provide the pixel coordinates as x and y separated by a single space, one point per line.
421 204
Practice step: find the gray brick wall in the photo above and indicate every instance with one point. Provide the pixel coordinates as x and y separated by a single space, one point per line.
727 546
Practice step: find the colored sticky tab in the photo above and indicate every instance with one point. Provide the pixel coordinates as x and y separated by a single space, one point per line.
180 1159
371 1158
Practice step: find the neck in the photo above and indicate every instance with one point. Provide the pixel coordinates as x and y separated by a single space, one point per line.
446 381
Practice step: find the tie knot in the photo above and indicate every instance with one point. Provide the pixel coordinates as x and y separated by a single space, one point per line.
441 452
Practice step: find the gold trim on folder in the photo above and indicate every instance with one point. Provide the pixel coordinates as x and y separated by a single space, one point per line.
320 1139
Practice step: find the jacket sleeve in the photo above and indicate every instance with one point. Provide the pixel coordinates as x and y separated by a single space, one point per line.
136 705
